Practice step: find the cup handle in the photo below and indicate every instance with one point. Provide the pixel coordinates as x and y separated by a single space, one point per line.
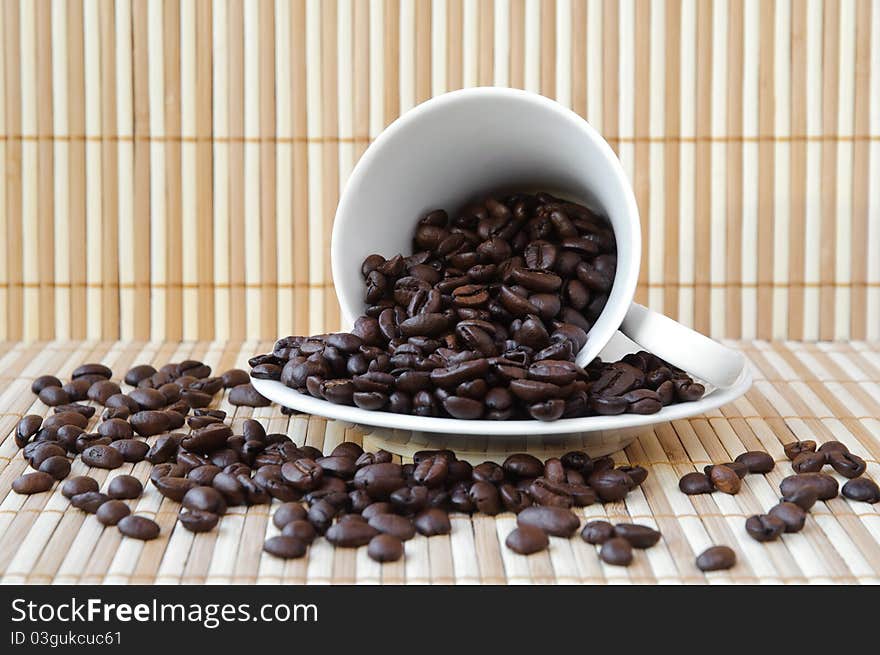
683 347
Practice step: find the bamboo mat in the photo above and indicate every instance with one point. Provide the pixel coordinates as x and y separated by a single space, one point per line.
818 391
162 154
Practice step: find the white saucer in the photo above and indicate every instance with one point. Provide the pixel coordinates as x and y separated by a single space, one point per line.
620 345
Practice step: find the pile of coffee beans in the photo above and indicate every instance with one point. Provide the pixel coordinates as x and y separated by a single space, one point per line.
157 401
727 477
484 321
351 497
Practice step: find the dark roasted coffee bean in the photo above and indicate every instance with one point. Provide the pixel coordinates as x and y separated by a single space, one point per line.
43 382
637 474
301 529
739 468
132 450
725 479
148 423
549 494
38 452
616 551
86 410
522 465
103 457
58 466
33 483
65 418
206 499
847 464
764 527
861 489
527 539
351 534
78 485
374 509
824 485
234 377
696 483
138 527
337 465
288 512
398 526
77 390
716 558
756 461
795 448
639 536
431 522
804 497
597 532
790 514
102 390
285 547
116 428
833 447
409 500
98 370
809 462
173 487
136 374
556 521
486 498
379 480
246 395
27 427
197 520
112 512
207 439
611 485
303 474
385 548
579 461
125 487
89 501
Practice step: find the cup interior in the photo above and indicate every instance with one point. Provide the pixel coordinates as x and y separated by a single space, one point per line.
457 147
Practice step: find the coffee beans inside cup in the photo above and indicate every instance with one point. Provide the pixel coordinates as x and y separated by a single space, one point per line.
484 321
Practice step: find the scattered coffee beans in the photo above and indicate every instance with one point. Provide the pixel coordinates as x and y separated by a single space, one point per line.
33 483
764 527
385 548
792 515
111 512
616 551
597 532
862 489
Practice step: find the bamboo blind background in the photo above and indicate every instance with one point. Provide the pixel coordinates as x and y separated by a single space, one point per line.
802 391
170 170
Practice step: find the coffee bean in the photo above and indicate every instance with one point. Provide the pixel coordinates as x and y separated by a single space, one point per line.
304 474
374 509
716 558
138 527
89 501
86 410
102 390
409 500
27 427
38 452
65 418
351 534
385 548
809 462
862 489
616 551
756 461
57 466
527 539
33 483
847 464
795 448
246 395
485 498
197 520
611 485
125 487
207 439
597 532
136 374
112 512
488 472
696 483
301 529
149 422
764 527
98 370
205 499
639 536
556 521
77 390
287 513
824 485
103 457
790 514
285 547
804 497
43 382
175 488
398 526
431 522
78 485
725 479
637 474
522 465
132 450
833 447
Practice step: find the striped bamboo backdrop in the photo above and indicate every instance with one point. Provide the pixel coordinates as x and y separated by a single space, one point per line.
170 169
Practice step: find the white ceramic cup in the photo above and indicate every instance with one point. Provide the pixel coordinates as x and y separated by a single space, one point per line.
456 147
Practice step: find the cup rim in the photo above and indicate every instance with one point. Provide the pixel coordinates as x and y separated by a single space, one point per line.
626 277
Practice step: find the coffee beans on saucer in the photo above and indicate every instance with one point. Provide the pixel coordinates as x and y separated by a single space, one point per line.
483 321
